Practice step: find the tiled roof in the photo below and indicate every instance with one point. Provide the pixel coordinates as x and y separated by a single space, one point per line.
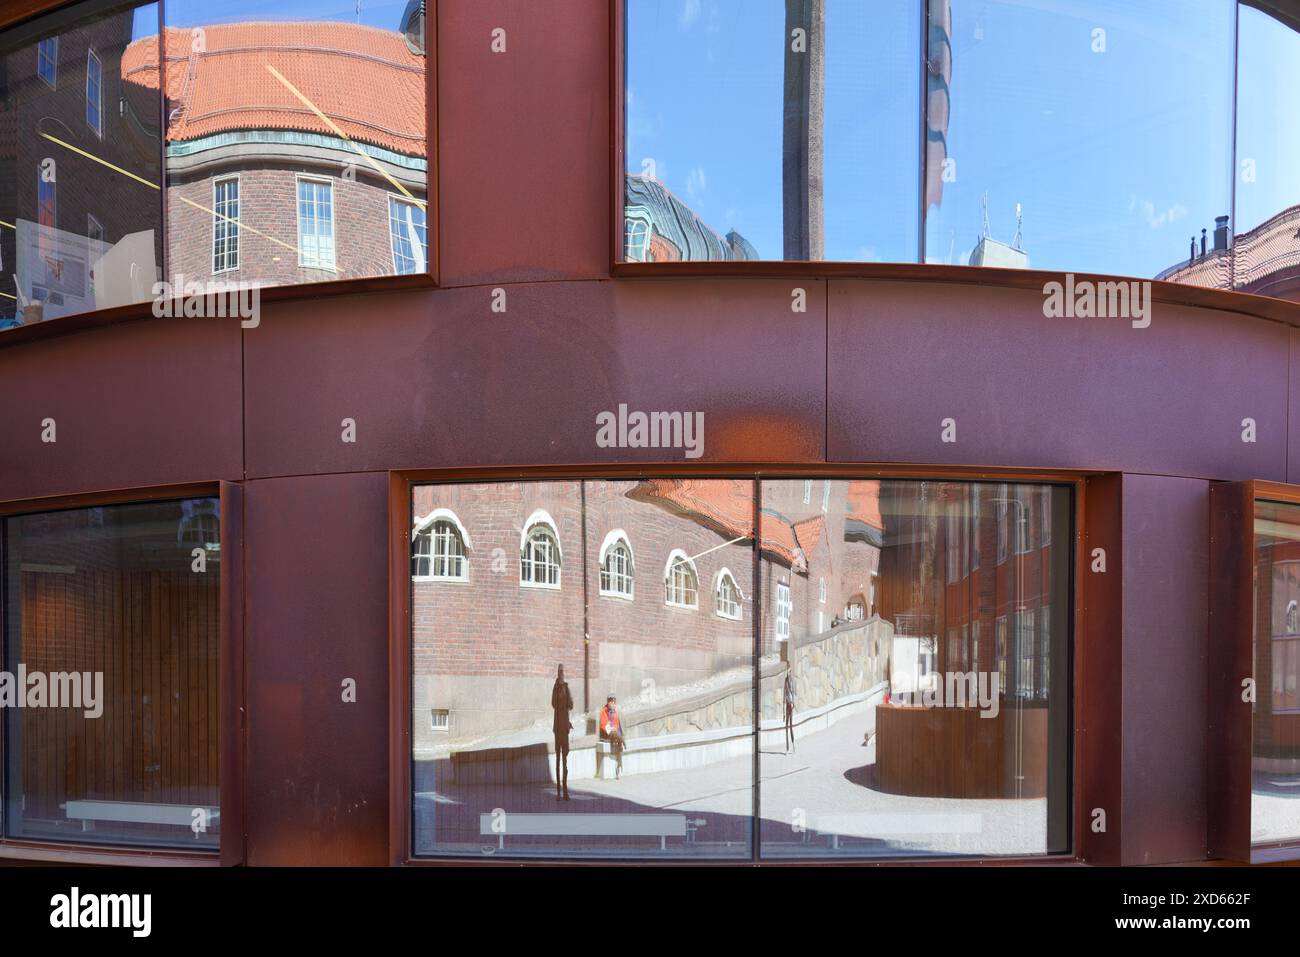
1272 246
777 539
809 532
726 506
362 78
864 503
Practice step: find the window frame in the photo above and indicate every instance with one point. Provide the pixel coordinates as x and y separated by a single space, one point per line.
724 576
540 523
299 180
395 201
615 540
218 181
427 528
98 127
678 559
51 81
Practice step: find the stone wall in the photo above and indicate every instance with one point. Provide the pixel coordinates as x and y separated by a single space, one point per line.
849 659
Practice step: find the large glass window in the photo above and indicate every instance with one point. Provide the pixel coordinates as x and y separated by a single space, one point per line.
82 139
878 738
110 680
325 128
875 738
767 130
1275 768
555 722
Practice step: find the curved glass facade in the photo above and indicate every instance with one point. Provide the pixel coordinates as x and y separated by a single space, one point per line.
1097 136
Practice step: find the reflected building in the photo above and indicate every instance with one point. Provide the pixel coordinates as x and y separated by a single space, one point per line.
659 227
1264 260
61 210
281 167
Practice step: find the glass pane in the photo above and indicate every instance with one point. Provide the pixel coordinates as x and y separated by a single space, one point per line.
878 738
275 90
1266 254
1088 136
759 129
1275 777
114 613
81 144
654 714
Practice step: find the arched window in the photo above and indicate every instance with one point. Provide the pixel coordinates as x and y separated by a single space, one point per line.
1292 617
539 553
616 565
438 547
681 583
727 593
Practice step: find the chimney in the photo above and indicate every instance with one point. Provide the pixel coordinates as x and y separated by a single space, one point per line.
1202 240
1220 233
1191 256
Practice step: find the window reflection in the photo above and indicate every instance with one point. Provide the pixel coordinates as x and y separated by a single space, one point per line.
764 130
76 232
894 733
528 740
1275 777
886 728
1080 137
295 140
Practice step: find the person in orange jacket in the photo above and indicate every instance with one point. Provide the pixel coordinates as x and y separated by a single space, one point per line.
611 730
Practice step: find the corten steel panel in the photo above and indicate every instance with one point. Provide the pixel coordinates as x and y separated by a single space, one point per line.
152 402
316 607
436 378
523 141
1165 668
1231 650
1030 391
1098 656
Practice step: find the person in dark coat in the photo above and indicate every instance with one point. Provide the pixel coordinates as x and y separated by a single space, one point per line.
561 704
787 694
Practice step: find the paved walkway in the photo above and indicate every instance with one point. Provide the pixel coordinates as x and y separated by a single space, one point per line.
824 789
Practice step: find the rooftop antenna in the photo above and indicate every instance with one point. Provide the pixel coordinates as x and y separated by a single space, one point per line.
1020 221
984 213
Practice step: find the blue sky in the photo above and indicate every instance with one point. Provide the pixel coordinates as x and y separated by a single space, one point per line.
1117 156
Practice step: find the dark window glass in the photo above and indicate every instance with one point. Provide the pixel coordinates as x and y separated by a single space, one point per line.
82 125
758 129
1275 769
878 738
114 612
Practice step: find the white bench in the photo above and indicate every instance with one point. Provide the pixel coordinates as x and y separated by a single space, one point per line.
132 812
662 826
604 750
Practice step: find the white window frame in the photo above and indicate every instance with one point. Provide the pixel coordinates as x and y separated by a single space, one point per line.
784 611
428 525
723 577
641 215
807 491
239 192
541 522
445 714
826 496
51 82
92 56
821 591
334 233
1045 529
612 542
421 253
675 558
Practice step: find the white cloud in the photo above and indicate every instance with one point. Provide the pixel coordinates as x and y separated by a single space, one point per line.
1155 219
690 13
696 183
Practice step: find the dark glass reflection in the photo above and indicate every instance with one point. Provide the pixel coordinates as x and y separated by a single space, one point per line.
1275 767
1094 136
77 232
769 130
511 757
914 668
119 607
296 146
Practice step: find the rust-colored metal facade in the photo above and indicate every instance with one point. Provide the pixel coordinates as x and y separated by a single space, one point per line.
1143 422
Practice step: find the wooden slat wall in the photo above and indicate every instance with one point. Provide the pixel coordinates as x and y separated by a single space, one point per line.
154 635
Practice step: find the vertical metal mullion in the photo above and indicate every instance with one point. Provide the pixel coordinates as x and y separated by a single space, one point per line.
922 199
756 624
